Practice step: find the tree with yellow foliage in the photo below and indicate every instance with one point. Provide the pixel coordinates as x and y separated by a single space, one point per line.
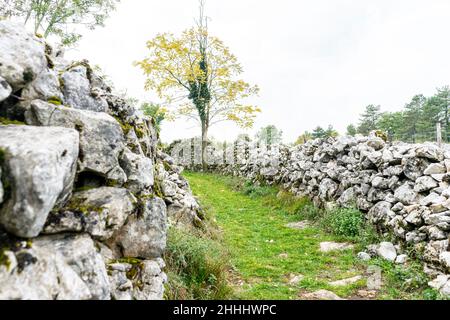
198 77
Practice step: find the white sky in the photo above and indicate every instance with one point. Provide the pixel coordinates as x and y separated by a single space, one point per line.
317 62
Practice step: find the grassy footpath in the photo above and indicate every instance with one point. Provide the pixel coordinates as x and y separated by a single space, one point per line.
266 254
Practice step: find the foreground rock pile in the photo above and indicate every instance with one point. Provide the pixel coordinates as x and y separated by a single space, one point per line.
84 191
404 189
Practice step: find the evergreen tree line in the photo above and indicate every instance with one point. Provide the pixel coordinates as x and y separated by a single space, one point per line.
415 123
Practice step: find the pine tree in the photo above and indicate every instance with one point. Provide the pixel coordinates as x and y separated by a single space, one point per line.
369 119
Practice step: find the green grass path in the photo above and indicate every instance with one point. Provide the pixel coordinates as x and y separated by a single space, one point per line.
266 253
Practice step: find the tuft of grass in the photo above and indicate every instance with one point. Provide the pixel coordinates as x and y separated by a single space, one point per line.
197 267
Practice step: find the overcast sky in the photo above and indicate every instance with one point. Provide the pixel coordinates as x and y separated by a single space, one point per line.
317 62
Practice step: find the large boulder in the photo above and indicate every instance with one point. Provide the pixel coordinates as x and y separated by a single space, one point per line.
39 167
144 234
22 55
101 137
99 212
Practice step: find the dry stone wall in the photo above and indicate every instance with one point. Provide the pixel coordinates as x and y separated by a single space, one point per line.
403 189
84 191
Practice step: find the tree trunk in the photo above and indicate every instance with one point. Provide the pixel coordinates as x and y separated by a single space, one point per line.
204 145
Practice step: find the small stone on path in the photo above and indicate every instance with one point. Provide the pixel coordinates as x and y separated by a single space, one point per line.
300 225
401 259
295 278
345 282
333 246
367 294
322 295
364 256
387 251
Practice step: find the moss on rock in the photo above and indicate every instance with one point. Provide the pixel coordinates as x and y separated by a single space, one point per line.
78 205
126 127
55 100
6 121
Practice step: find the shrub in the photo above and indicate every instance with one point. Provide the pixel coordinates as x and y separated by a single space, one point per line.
343 222
197 267
255 191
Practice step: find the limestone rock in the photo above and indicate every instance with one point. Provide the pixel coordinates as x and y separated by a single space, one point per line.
39 164
137 280
381 212
345 282
405 194
120 286
387 251
139 170
401 259
5 89
80 253
144 234
44 87
376 143
298 225
322 295
334 246
348 198
414 167
152 280
169 188
424 184
435 168
439 282
295 279
40 274
444 258
100 212
77 90
364 256
101 137
327 189
445 290
430 151
22 55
